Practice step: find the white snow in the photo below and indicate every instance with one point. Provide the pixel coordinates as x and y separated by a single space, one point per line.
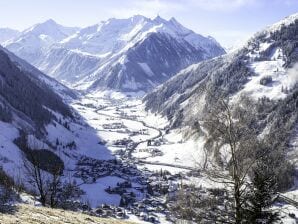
131 83
10 155
146 69
282 78
285 22
96 195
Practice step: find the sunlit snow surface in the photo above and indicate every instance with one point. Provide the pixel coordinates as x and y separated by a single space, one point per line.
274 67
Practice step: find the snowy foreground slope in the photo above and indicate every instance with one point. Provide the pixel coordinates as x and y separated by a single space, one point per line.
24 214
134 54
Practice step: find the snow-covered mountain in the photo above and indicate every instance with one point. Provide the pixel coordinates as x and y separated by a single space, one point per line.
32 42
7 33
131 54
264 69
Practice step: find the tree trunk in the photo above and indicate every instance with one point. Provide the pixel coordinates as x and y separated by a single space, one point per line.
237 198
43 200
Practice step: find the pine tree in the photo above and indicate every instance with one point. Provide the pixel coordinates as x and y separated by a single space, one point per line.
263 192
122 202
149 189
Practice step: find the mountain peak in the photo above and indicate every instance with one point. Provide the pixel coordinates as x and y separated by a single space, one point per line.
131 47
176 24
137 18
43 27
159 19
173 20
51 28
50 22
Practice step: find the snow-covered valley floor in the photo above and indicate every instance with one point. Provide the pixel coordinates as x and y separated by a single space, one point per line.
137 138
123 118
121 150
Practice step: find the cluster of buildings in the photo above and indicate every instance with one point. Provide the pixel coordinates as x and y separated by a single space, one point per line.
115 125
143 193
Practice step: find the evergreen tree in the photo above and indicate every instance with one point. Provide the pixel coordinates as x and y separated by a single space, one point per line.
149 189
262 194
122 202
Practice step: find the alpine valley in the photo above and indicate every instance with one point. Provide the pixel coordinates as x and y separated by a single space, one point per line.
144 120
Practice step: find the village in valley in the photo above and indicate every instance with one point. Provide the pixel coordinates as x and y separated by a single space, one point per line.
143 184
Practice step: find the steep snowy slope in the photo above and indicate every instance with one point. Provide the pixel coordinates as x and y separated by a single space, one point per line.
25 96
265 69
28 104
34 116
131 54
64 92
31 43
7 34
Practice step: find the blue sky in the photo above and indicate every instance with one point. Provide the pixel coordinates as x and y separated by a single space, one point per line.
229 21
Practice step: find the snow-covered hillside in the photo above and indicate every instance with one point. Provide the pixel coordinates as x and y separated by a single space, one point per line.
261 79
134 54
266 66
64 92
28 103
261 76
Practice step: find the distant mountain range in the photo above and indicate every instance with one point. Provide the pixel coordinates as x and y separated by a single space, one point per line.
134 54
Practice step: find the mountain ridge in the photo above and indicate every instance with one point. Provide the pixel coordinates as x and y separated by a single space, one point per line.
96 57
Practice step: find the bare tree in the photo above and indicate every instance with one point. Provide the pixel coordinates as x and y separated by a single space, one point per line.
229 130
55 185
36 176
232 128
44 171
